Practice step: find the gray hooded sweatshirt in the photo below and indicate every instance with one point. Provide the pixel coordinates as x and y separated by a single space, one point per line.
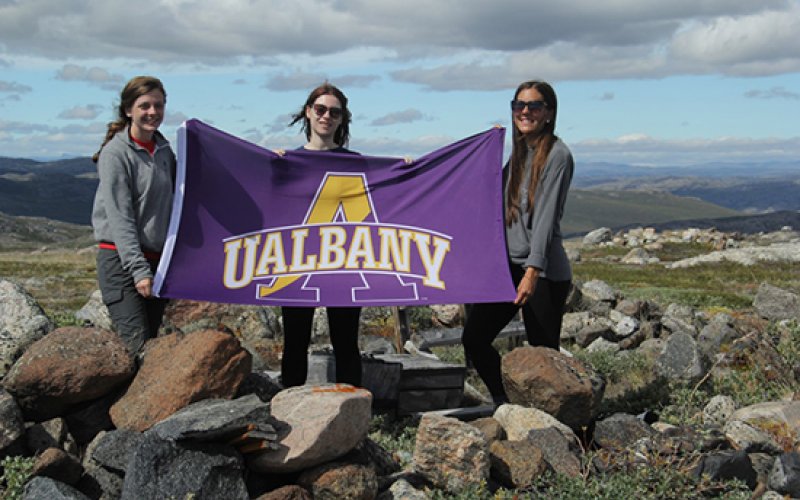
133 203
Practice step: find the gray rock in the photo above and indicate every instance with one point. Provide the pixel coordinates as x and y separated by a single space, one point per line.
561 454
44 488
717 333
217 420
620 431
12 424
113 450
261 384
599 291
727 465
603 345
679 318
749 438
403 490
785 475
519 421
516 464
597 236
719 410
22 322
100 483
681 358
95 312
624 326
776 304
165 469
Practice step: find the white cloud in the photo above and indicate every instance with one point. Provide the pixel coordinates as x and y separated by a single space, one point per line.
623 38
405 116
14 87
640 149
89 112
773 93
93 75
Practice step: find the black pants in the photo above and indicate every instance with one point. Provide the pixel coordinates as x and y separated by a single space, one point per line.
343 327
542 315
135 318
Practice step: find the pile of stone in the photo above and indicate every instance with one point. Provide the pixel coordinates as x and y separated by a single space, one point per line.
197 418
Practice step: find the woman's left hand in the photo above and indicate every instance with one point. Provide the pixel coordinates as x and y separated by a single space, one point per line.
527 286
145 287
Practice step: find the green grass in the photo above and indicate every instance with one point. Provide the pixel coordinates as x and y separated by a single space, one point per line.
587 210
16 472
60 280
723 285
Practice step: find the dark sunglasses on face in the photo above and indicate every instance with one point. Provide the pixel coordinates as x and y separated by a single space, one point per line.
321 109
533 106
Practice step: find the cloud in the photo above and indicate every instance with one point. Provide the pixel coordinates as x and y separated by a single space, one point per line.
14 87
773 93
300 80
622 39
606 96
295 81
175 118
407 116
93 75
640 149
89 112
280 123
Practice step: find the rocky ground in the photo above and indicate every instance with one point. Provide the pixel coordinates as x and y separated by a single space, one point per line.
200 416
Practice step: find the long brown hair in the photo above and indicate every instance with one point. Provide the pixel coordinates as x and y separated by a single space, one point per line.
519 151
134 89
342 134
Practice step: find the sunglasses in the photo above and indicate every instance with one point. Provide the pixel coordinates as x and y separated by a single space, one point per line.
533 106
321 109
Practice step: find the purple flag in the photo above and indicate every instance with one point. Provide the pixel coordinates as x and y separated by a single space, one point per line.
315 228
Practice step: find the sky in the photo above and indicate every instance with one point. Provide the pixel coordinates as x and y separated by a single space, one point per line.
642 82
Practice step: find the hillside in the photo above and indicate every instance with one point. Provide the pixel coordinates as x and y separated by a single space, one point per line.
27 233
61 190
587 210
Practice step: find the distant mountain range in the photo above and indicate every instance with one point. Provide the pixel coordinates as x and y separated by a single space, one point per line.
603 194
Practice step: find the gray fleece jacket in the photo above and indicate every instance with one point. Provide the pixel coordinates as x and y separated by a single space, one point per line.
534 239
133 203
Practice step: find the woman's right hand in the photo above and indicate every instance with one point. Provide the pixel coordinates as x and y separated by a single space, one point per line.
280 152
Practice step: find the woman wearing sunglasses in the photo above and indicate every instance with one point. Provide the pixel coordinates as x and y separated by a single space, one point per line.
326 122
536 181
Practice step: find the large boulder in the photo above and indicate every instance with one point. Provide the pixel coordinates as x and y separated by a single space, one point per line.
451 454
22 322
563 386
69 366
776 304
161 468
178 370
315 424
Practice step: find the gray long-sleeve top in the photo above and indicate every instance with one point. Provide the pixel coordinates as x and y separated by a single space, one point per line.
133 202
534 239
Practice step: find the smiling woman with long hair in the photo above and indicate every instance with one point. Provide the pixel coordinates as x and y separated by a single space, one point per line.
536 181
132 208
